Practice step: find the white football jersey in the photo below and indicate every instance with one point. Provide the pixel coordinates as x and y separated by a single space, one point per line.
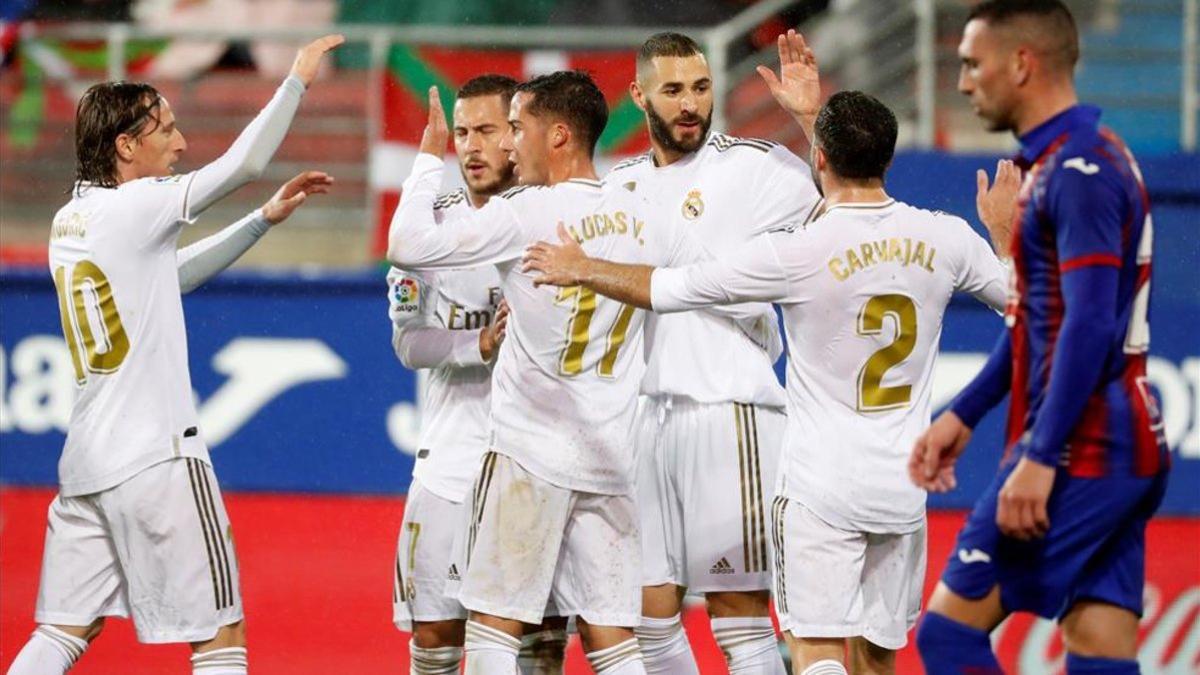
724 193
863 289
436 320
113 259
565 383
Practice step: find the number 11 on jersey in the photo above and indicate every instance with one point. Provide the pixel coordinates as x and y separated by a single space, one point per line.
570 362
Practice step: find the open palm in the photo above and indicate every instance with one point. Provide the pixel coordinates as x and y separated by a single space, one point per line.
797 88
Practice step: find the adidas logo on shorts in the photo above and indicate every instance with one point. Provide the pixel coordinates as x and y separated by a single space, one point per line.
722 567
452 573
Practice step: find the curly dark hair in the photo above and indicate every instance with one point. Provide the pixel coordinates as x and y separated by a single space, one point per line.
572 97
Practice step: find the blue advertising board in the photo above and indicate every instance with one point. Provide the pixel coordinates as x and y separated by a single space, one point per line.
299 390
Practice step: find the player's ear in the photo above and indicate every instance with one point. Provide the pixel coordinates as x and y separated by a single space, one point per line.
820 161
1021 65
635 93
560 135
124 147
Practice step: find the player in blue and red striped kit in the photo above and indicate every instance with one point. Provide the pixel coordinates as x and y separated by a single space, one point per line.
1061 531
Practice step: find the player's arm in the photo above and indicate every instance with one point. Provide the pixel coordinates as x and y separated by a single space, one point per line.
980 272
997 204
935 452
421 342
204 259
1088 212
489 235
249 155
752 273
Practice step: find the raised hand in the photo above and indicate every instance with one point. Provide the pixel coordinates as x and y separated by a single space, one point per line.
292 194
308 59
492 336
437 132
560 265
997 205
931 465
797 88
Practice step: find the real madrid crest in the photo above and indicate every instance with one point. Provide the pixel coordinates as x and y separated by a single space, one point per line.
693 206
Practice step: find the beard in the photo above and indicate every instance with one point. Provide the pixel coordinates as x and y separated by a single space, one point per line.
660 130
504 180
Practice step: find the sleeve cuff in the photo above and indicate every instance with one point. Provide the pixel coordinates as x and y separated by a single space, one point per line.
466 348
969 411
294 84
664 289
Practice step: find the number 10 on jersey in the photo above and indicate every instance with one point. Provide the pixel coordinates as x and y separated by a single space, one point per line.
89 314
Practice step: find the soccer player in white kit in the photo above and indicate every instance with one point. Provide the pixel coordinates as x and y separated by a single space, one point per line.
553 510
863 289
450 324
710 430
138 526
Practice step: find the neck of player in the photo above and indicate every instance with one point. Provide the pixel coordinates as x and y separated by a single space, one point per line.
847 191
567 167
1042 103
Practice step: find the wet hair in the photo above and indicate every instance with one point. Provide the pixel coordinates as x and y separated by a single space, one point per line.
489 85
858 135
572 97
1045 25
106 111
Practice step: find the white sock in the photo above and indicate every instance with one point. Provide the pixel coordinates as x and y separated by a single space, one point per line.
542 652
825 667
49 651
665 647
749 645
227 661
622 659
433 660
491 651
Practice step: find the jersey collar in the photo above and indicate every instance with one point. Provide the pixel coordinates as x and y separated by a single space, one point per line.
1037 140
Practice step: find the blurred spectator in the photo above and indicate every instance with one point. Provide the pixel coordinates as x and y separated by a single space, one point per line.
184 59
73 10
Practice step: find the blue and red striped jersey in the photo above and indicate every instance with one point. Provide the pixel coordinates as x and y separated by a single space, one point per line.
1083 210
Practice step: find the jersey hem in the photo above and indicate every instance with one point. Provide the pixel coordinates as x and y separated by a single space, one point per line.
80 488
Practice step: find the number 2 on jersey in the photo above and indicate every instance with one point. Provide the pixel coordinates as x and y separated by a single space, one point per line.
872 394
570 362
87 295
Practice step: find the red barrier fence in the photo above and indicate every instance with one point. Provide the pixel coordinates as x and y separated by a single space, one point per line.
316 579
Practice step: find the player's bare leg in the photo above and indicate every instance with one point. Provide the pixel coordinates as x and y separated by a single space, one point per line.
818 656
611 650
741 624
954 632
436 647
664 644
868 658
543 647
52 650
1099 631
224 654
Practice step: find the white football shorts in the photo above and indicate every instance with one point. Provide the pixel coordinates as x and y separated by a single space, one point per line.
423 559
530 542
158 547
832 583
706 472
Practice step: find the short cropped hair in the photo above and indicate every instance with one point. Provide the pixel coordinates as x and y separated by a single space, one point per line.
489 84
858 135
1046 25
664 44
106 111
572 97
